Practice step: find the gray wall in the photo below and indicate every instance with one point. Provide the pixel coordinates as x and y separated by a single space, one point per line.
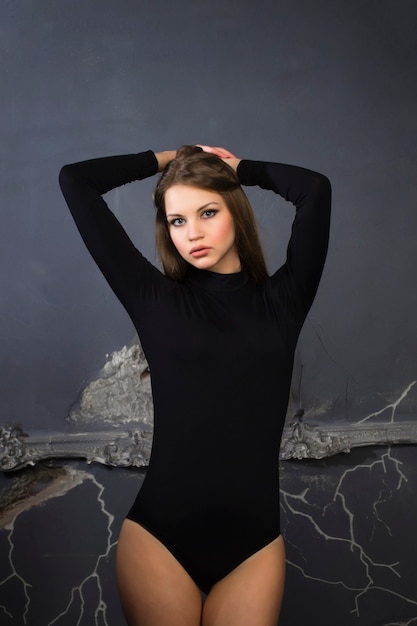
327 85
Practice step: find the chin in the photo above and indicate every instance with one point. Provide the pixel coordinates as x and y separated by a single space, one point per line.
202 264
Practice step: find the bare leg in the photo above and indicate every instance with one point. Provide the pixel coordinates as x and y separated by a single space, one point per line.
251 594
155 590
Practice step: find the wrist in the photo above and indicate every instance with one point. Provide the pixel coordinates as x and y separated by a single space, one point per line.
164 158
233 163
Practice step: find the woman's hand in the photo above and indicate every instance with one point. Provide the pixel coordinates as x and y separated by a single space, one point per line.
224 154
164 158
220 152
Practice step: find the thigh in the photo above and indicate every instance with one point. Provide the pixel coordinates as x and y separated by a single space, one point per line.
251 593
154 588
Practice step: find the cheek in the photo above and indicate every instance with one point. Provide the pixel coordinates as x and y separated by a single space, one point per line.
175 238
227 230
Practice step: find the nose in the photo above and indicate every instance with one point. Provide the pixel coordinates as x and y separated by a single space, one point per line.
195 230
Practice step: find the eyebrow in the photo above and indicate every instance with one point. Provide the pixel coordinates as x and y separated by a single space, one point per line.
201 208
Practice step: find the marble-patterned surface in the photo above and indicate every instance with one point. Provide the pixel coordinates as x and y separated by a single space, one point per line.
57 544
349 524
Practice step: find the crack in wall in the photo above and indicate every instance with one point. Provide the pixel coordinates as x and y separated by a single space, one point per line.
42 486
393 405
101 608
372 575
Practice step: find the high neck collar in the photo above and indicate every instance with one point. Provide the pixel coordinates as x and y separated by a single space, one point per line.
214 281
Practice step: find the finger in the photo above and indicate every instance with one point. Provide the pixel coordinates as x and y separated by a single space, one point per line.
218 151
209 149
225 154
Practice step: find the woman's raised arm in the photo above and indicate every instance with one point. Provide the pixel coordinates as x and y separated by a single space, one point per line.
83 185
310 193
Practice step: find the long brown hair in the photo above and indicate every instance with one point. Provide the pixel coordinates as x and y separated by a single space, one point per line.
200 169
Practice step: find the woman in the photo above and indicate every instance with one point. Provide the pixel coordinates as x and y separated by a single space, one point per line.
219 336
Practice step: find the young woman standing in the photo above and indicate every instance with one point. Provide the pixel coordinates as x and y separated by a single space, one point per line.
219 335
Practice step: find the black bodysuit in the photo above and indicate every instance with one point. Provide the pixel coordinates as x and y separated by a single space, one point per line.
220 350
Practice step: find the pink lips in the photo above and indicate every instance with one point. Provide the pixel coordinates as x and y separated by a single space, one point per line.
199 251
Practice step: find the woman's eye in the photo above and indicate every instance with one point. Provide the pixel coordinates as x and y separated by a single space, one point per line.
209 213
177 221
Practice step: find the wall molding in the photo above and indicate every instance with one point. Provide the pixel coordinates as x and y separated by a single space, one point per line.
112 423
119 448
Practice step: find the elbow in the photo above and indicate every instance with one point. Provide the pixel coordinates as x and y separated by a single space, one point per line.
323 190
65 176
324 183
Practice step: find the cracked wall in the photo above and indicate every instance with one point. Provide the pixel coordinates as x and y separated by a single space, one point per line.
349 525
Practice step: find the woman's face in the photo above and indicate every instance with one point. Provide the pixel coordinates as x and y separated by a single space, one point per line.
202 229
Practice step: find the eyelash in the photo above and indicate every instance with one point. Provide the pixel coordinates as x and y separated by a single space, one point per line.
174 220
212 211
204 215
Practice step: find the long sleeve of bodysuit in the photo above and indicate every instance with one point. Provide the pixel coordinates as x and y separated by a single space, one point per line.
310 193
84 183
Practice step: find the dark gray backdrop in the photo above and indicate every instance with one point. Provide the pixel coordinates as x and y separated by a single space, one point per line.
327 85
